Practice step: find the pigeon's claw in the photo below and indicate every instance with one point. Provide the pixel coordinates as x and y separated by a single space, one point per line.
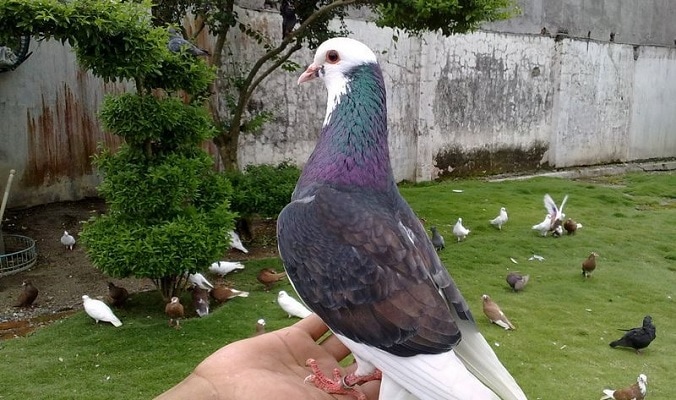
337 385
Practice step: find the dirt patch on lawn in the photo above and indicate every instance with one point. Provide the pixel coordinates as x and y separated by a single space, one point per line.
62 276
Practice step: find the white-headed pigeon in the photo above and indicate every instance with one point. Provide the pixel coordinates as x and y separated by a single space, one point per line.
200 281
459 231
99 311
637 391
174 310
223 268
360 258
67 240
543 227
501 219
236 242
291 306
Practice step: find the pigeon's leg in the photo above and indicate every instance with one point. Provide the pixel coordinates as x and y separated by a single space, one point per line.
339 385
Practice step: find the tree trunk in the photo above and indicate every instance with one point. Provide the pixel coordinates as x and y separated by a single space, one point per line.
227 143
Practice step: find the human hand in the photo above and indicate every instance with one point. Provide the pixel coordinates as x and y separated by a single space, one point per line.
269 366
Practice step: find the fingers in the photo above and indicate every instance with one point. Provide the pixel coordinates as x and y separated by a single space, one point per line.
335 347
313 325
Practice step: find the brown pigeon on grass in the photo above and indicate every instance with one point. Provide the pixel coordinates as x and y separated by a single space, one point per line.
268 277
223 293
174 310
637 391
28 294
117 295
589 265
495 314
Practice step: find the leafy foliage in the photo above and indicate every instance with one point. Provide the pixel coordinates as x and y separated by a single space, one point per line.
115 40
263 189
447 16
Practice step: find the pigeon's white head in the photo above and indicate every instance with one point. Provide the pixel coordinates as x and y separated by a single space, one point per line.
642 381
261 322
175 299
333 60
282 293
485 297
85 297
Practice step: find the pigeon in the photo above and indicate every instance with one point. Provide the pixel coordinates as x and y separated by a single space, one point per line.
260 327
223 293
589 265
359 257
236 242
517 281
27 295
291 306
555 212
223 268
200 281
637 338
571 226
99 311
177 43
200 300
174 310
495 314
460 231
268 277
543 227
637 391
67 240
117 295
437 239
289 18
501 219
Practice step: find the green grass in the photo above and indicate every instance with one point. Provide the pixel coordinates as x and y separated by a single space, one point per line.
564 322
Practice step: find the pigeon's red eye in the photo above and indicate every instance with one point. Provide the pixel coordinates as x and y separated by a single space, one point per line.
332 56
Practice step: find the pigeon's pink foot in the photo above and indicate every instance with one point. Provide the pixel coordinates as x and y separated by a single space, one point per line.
339 385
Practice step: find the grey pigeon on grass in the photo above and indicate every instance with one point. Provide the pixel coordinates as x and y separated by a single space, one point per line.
637 338
366 265
437 240
517 281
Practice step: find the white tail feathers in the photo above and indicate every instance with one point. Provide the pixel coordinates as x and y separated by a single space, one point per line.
608 394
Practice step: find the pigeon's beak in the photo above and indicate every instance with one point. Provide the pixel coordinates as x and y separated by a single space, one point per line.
310 73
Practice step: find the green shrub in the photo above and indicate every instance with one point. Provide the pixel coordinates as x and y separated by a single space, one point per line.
263 190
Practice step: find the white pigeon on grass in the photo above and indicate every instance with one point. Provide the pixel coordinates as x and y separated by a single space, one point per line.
501 219
543 227
223 268
460 231
99 311
67 240
236 242
200 281
291 306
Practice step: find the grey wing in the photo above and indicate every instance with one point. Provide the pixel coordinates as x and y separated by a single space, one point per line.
365 265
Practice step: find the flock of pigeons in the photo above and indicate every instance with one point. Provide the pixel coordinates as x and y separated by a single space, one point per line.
201 289
554 224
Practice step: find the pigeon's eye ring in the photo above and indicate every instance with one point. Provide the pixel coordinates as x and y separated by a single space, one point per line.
332 56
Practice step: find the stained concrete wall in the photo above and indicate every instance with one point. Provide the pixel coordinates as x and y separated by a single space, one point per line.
485 101
644 22
49 127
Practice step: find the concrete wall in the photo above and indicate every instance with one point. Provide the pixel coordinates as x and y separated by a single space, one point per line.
49 127
645 22
481 103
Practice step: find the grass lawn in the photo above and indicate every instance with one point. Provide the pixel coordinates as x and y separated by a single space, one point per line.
564 322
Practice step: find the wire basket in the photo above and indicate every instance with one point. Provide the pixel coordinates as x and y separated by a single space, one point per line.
20 254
